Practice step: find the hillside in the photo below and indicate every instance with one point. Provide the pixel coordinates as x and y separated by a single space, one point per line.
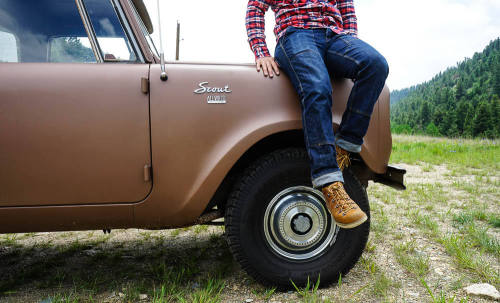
461 101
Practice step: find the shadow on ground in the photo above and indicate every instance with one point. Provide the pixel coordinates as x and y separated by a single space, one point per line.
158 265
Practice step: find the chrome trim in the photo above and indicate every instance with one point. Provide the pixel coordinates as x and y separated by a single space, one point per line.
297 226
90 31
147 35
128 31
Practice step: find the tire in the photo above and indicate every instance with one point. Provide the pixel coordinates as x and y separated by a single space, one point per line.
279 229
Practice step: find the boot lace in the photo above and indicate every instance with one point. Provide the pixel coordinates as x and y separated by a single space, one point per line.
341 199
343 159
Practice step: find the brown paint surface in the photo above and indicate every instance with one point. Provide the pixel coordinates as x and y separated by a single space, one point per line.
73 134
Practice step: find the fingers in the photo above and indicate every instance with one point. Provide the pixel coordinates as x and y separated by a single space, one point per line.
267 71
268 66
275 67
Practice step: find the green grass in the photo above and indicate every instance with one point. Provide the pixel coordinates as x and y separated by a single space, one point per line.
264 293
380 284
442 297
424 222
308 294
477 153
494 220
175 232
413 261
380 220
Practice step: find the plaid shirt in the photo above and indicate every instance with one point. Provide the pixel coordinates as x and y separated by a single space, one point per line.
338 15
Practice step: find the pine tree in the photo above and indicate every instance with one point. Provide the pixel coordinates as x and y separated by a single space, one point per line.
495 116
462 110
425 114
459 89
469 121
496 76
482 120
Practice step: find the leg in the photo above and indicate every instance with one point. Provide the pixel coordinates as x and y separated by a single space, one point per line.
300 53
349 57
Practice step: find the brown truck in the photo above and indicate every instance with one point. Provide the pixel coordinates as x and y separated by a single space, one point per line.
92 138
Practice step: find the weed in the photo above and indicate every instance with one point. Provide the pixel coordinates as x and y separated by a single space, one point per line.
494 220
174 233
381 283
380 220
9 239
410 259
480 238
463 218
309 292
209 293
425 222
200 228
457 247
264 293
441 298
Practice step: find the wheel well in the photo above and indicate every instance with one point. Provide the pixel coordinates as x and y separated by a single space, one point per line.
291 138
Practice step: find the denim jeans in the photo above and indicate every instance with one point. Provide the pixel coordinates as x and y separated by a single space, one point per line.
309 57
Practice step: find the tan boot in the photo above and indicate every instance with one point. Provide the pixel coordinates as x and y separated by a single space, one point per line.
344 210
343 159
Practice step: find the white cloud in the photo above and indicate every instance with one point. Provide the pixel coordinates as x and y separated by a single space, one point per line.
418 38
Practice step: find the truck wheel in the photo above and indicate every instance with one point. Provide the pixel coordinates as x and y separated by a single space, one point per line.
279 229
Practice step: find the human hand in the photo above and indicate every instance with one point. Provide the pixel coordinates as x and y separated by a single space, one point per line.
268 65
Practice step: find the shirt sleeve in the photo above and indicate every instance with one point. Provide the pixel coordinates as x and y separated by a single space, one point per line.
346 8
255 24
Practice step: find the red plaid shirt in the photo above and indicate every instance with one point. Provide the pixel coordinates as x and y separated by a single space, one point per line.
337 15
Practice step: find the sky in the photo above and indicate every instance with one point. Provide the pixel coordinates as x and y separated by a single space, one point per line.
418 38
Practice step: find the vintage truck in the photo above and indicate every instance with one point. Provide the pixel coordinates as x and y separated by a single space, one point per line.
91 137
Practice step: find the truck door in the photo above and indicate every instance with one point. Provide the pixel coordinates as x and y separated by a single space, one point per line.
74 118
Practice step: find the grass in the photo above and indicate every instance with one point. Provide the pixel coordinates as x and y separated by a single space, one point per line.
441 298
412 260
457 246
476 234
308 294
264 293
466 153
494 220
380 283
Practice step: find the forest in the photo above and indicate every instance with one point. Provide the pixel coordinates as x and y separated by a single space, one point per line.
462 101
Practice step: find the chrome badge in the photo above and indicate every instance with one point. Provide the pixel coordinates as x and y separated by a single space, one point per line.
213 99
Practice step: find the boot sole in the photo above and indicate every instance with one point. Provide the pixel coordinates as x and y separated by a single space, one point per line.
353 224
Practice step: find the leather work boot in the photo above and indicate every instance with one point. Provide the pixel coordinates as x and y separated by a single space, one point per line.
344 210
343 159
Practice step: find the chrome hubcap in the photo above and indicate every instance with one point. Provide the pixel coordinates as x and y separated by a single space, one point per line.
296 224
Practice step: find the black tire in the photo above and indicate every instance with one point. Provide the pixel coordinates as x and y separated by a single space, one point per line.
261 254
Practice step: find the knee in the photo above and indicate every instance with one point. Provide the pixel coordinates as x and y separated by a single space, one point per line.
377 64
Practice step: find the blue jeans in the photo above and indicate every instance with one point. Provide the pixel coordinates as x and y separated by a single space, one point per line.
309 57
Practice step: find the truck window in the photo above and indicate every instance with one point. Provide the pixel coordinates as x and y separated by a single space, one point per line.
108 29
70 49
8 47
43 31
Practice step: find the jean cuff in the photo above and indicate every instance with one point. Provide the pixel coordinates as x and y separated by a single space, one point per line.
335 176
348 146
